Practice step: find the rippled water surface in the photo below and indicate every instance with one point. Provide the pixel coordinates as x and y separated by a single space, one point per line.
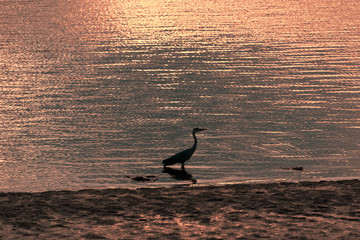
94 93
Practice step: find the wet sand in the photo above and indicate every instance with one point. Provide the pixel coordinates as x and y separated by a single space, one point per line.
307 210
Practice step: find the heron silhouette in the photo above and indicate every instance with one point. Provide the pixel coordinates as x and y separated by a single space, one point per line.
185 155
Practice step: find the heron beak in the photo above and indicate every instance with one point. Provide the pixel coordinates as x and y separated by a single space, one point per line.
202 129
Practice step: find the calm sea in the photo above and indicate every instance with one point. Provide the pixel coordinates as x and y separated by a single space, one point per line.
96 92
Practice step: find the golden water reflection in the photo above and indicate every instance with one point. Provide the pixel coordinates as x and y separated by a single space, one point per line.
93 88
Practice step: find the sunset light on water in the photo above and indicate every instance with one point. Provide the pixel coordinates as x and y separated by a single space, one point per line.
94 93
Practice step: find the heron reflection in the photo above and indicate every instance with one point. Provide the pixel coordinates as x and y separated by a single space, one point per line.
179 174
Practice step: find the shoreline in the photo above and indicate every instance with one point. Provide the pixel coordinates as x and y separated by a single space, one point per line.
306 210
179 184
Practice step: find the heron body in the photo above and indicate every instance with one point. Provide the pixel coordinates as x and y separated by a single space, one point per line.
185 155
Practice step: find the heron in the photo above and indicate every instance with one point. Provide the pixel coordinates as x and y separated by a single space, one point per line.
185 155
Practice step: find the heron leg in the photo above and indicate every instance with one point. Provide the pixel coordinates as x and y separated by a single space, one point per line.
183 166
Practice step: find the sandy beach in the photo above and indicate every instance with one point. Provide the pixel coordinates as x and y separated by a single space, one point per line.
306 210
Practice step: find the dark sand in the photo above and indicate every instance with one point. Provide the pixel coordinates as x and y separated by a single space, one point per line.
307 210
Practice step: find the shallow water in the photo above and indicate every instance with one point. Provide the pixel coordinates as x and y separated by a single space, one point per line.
96 92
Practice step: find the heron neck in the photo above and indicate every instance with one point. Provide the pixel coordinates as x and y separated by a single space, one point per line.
195 141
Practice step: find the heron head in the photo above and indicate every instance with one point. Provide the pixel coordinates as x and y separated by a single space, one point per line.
195 130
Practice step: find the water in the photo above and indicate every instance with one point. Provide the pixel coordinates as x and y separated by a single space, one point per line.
95 92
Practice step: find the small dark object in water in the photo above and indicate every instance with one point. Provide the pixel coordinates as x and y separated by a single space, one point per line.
297 168
148 178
